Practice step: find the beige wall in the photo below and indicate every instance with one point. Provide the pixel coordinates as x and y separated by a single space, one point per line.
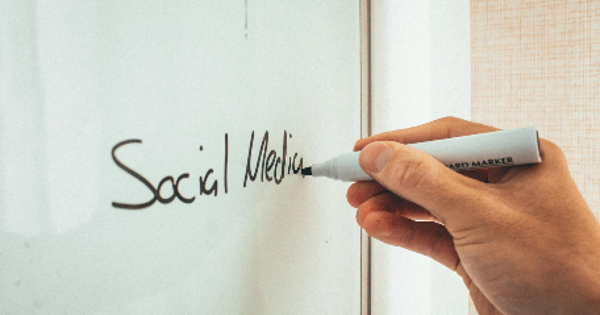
538 63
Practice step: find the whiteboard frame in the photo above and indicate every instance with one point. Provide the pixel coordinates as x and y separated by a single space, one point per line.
365 126
413 44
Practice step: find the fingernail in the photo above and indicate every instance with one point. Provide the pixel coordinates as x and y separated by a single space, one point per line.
375 156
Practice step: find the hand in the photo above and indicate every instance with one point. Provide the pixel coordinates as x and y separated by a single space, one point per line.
522 238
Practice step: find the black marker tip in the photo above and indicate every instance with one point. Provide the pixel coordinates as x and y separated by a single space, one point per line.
307 171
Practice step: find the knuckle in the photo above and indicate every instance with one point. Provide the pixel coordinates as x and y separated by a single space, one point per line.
553 153
413 173
406 237
548 146
451 126
449 120
351 195
438 242
373 224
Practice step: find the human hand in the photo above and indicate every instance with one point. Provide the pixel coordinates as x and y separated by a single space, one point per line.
522 238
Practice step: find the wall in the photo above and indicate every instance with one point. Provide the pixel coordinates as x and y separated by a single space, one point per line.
538 63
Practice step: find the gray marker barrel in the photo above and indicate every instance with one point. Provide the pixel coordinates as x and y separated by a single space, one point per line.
484 150
343 167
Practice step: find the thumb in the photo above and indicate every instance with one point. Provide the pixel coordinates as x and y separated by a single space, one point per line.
423 180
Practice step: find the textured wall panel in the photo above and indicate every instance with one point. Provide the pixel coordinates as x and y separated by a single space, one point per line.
538 63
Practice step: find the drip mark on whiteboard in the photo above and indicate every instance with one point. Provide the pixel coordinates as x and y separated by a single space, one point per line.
246 20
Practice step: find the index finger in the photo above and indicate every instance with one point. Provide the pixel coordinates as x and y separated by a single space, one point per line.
448 127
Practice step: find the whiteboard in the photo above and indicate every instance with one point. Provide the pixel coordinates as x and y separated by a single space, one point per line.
132 179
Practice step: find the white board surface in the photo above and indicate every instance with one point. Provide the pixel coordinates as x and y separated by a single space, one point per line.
182 86
421 72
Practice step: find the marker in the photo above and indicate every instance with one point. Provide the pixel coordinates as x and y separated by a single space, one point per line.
484 150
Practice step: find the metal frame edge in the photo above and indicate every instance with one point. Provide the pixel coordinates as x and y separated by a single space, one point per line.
365 126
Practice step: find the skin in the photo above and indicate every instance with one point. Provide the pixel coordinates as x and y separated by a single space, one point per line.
522 238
